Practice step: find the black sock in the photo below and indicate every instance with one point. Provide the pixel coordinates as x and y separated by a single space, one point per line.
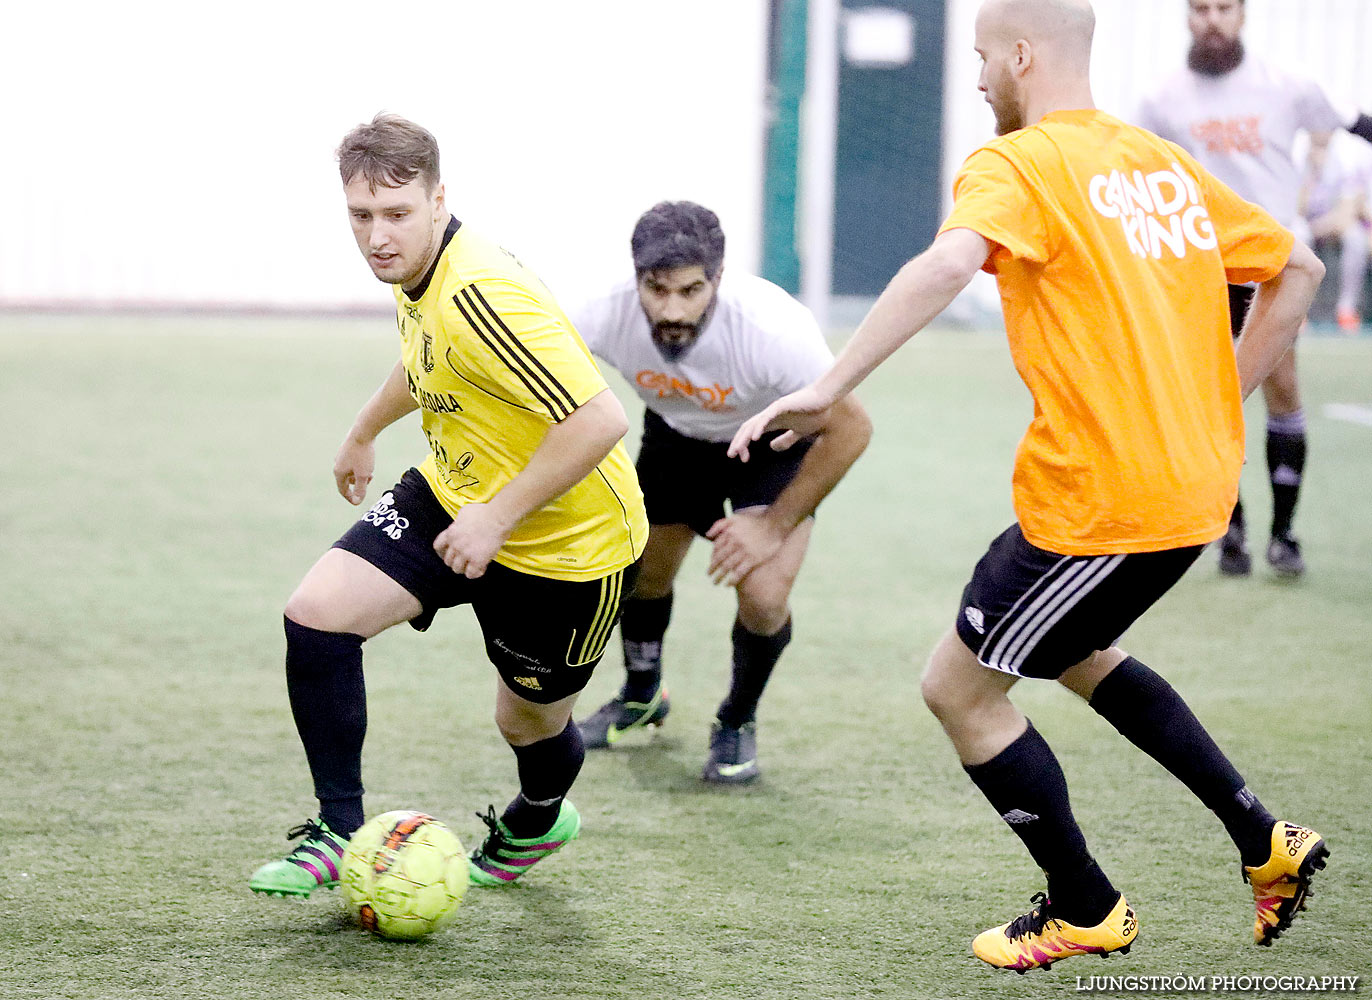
1152 716
1236 518
1285 468
329 702
642 624
754 657
546 772
1025 784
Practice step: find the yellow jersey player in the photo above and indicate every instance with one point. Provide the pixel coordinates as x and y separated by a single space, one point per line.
526 507
1112 249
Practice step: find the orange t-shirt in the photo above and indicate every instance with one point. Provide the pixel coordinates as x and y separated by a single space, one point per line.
1112 249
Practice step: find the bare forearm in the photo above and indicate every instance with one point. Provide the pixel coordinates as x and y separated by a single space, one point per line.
921 290
388 404
1275 318
568 453
843 438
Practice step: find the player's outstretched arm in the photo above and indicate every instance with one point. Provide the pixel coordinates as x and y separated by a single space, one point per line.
356 458
1275 318
921 290
568 453
746 540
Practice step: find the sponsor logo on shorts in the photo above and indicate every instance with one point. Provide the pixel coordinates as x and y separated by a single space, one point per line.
976 619
384 516
529 682
530 662
1017 816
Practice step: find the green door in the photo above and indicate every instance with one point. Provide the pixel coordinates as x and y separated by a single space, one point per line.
887 184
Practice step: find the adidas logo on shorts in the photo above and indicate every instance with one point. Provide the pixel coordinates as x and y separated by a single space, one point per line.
976 619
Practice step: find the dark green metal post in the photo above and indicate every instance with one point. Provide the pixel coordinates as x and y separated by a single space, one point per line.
786 87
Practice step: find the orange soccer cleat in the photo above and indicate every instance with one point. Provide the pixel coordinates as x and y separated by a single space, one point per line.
1282 886
1038 939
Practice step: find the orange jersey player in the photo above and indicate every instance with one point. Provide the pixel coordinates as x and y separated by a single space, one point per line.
1112 250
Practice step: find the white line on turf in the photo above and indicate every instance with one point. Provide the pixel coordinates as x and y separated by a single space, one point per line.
1349 412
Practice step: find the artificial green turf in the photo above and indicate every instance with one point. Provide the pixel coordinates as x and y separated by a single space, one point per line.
167 481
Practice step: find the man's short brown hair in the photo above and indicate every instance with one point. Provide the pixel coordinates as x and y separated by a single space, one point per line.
389 151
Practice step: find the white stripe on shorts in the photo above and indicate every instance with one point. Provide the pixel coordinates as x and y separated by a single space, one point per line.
1059 590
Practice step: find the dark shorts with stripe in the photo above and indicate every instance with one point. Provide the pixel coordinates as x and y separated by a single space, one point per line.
687 481
544 636
1034 613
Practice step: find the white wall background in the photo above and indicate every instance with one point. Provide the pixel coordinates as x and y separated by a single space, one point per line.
164 151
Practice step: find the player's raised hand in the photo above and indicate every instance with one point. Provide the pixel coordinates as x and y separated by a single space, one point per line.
743 542
801 413
468 545
352 469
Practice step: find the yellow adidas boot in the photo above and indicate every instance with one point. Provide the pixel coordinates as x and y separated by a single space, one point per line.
1281 887
1038 939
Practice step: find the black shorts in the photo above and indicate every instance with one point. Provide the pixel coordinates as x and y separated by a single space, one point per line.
1240 298
1034 613
686 480
544 636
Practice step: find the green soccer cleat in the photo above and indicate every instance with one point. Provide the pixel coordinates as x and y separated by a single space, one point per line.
315 863
503 858
617 717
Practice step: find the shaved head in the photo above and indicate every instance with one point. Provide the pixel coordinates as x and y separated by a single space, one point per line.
1060 27
1035 58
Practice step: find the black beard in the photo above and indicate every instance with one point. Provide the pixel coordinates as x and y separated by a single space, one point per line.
672 350
1215 59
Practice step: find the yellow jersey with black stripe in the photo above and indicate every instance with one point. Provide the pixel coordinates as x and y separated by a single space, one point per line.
493 362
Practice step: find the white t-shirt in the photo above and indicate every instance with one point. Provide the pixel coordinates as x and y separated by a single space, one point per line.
1241 127
759 345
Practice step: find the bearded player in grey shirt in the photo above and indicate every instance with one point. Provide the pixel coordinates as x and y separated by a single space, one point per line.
1239 117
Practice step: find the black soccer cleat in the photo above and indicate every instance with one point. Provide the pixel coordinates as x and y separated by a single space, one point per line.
733 754
608 724
1284 556
1234 557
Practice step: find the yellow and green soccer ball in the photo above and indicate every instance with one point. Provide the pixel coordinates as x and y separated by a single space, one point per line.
404 874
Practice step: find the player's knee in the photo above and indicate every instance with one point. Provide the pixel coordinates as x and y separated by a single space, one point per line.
939 696
307 607
764 602
510 730
947 686
650 586
764 617
522 728
1082 678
